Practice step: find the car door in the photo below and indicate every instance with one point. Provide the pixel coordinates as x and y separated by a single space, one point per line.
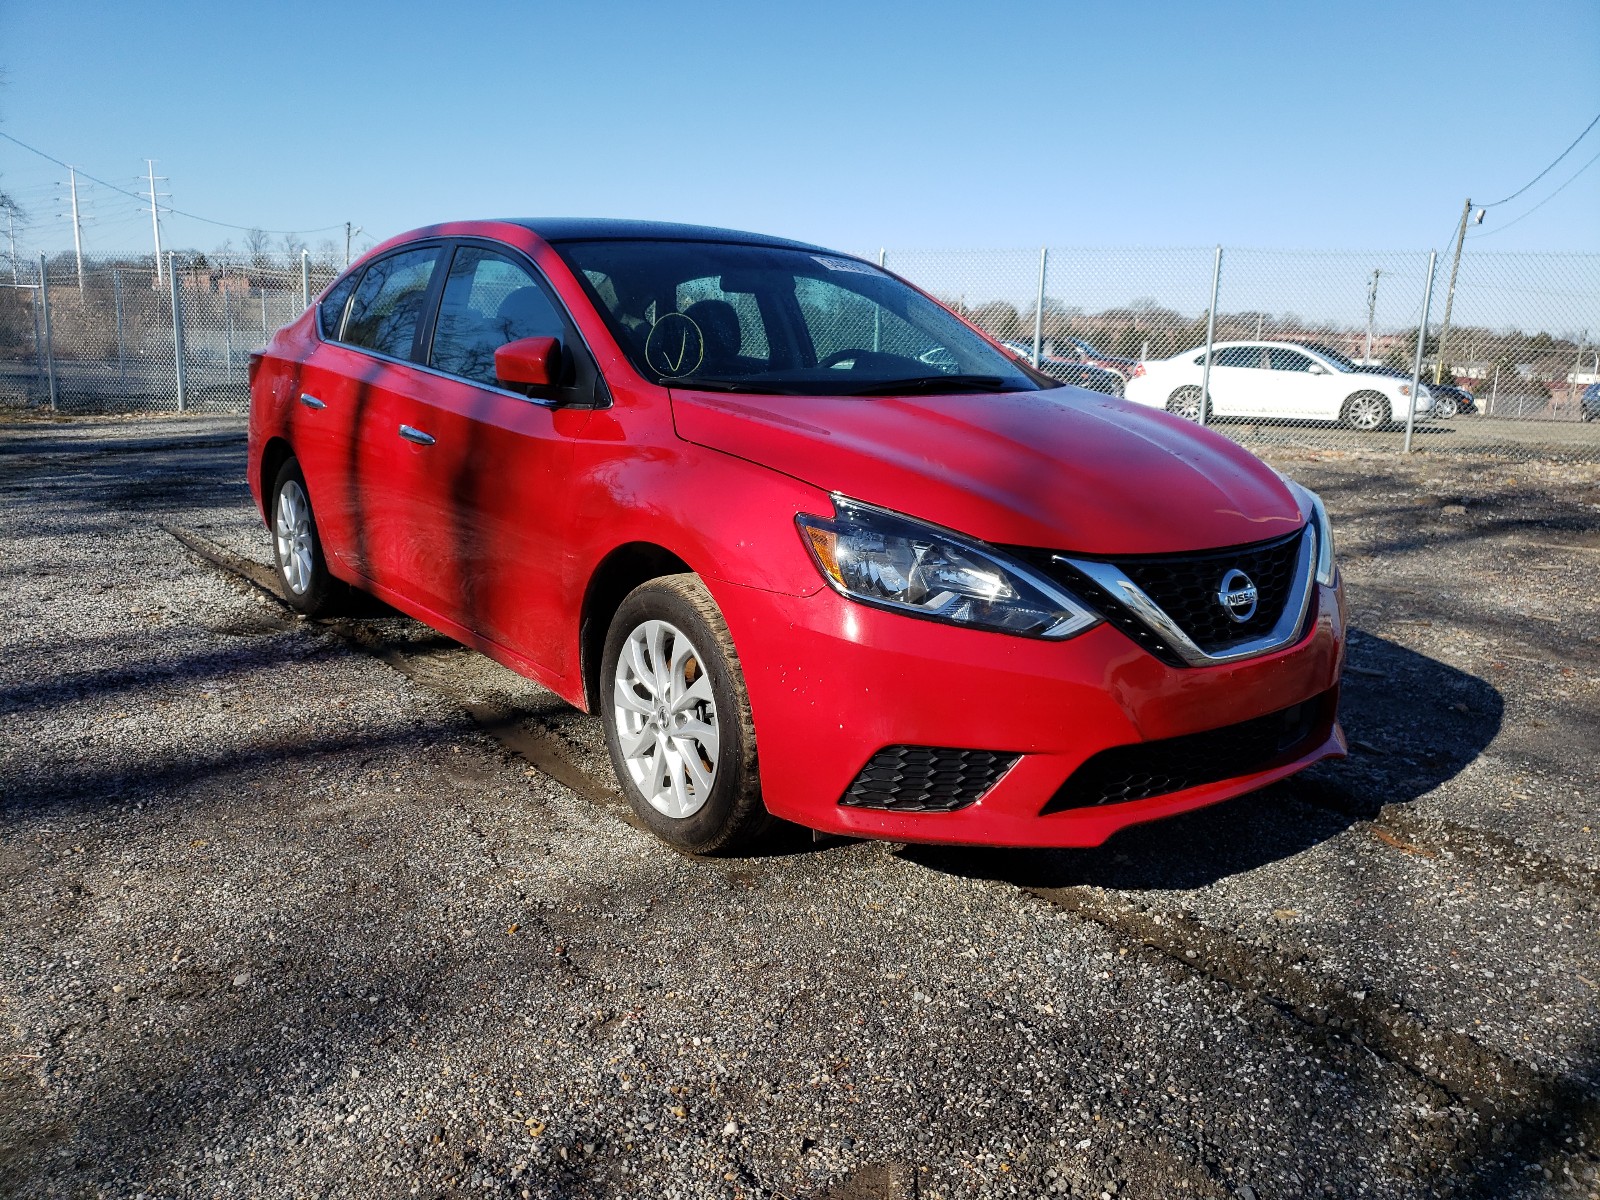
1298 384
1236 377
323 435
367 378
485 517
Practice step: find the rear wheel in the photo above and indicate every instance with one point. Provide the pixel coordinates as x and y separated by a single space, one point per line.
296 548
1185 403
1366 411
677 718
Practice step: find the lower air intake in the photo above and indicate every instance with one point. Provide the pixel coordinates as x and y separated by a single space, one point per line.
1148 769
926 779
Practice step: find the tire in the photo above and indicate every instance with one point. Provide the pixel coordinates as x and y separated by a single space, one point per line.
1366 411
1444 407
1185 403
699 791
303 576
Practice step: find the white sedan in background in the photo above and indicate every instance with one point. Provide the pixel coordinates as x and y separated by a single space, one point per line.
1288 381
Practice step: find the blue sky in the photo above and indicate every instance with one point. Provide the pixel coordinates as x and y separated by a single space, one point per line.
853 124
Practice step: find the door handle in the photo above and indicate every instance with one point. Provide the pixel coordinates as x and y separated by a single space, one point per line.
412 434
311 401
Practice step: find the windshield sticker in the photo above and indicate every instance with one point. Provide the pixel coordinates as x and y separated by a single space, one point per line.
844 264
675 346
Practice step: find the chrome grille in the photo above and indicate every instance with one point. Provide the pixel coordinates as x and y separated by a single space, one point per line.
1185 586
1169 605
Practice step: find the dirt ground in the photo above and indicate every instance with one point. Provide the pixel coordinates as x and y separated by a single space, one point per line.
292 908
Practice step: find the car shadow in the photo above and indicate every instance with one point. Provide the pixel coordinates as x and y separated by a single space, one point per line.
1413 723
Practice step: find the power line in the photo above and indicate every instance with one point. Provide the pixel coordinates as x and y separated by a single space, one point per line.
178 212
1548 169
1541 204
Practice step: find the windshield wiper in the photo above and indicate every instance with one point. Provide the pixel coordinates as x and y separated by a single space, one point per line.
713 385
934 383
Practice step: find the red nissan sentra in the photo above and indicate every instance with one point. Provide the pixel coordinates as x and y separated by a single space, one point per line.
808 543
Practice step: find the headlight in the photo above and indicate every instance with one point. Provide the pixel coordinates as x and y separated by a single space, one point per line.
880 558
1405 389
1327 568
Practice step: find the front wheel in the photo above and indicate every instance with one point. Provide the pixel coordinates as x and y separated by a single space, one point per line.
296 547
1366 411
1444 407
677 718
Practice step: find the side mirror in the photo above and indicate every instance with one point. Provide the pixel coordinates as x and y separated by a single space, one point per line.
531 362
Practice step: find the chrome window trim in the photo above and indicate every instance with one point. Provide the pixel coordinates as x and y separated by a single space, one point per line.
450 243
1131 596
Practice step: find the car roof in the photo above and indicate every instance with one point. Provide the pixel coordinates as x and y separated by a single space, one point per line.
578 229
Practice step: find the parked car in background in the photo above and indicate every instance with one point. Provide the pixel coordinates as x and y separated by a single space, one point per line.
721 489
1589 406
1089 354
1289 381
1084 375
1448 398
1076 350
1071 369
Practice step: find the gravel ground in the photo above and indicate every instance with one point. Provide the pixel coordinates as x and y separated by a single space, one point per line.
339 909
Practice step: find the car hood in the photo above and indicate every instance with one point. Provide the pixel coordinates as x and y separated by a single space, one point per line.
1390 382
1061 469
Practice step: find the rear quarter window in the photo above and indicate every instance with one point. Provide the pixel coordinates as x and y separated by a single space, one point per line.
330 309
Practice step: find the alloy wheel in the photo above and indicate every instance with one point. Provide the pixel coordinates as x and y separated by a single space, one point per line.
292 528
666 718
1368 412
1185 403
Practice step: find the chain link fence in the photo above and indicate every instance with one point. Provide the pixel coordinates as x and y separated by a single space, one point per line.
1509 363
104 340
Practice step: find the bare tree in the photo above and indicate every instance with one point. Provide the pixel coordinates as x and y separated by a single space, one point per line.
255 243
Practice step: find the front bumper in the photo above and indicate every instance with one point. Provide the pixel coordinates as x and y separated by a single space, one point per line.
833 682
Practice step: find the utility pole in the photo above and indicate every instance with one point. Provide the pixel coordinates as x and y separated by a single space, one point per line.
155 217
1449 296
1372 308
77 225
349 233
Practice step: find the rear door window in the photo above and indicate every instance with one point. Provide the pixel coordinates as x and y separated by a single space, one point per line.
1239 356
1288 360
387 308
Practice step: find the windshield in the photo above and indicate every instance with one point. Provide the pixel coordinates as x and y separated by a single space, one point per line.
731 317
